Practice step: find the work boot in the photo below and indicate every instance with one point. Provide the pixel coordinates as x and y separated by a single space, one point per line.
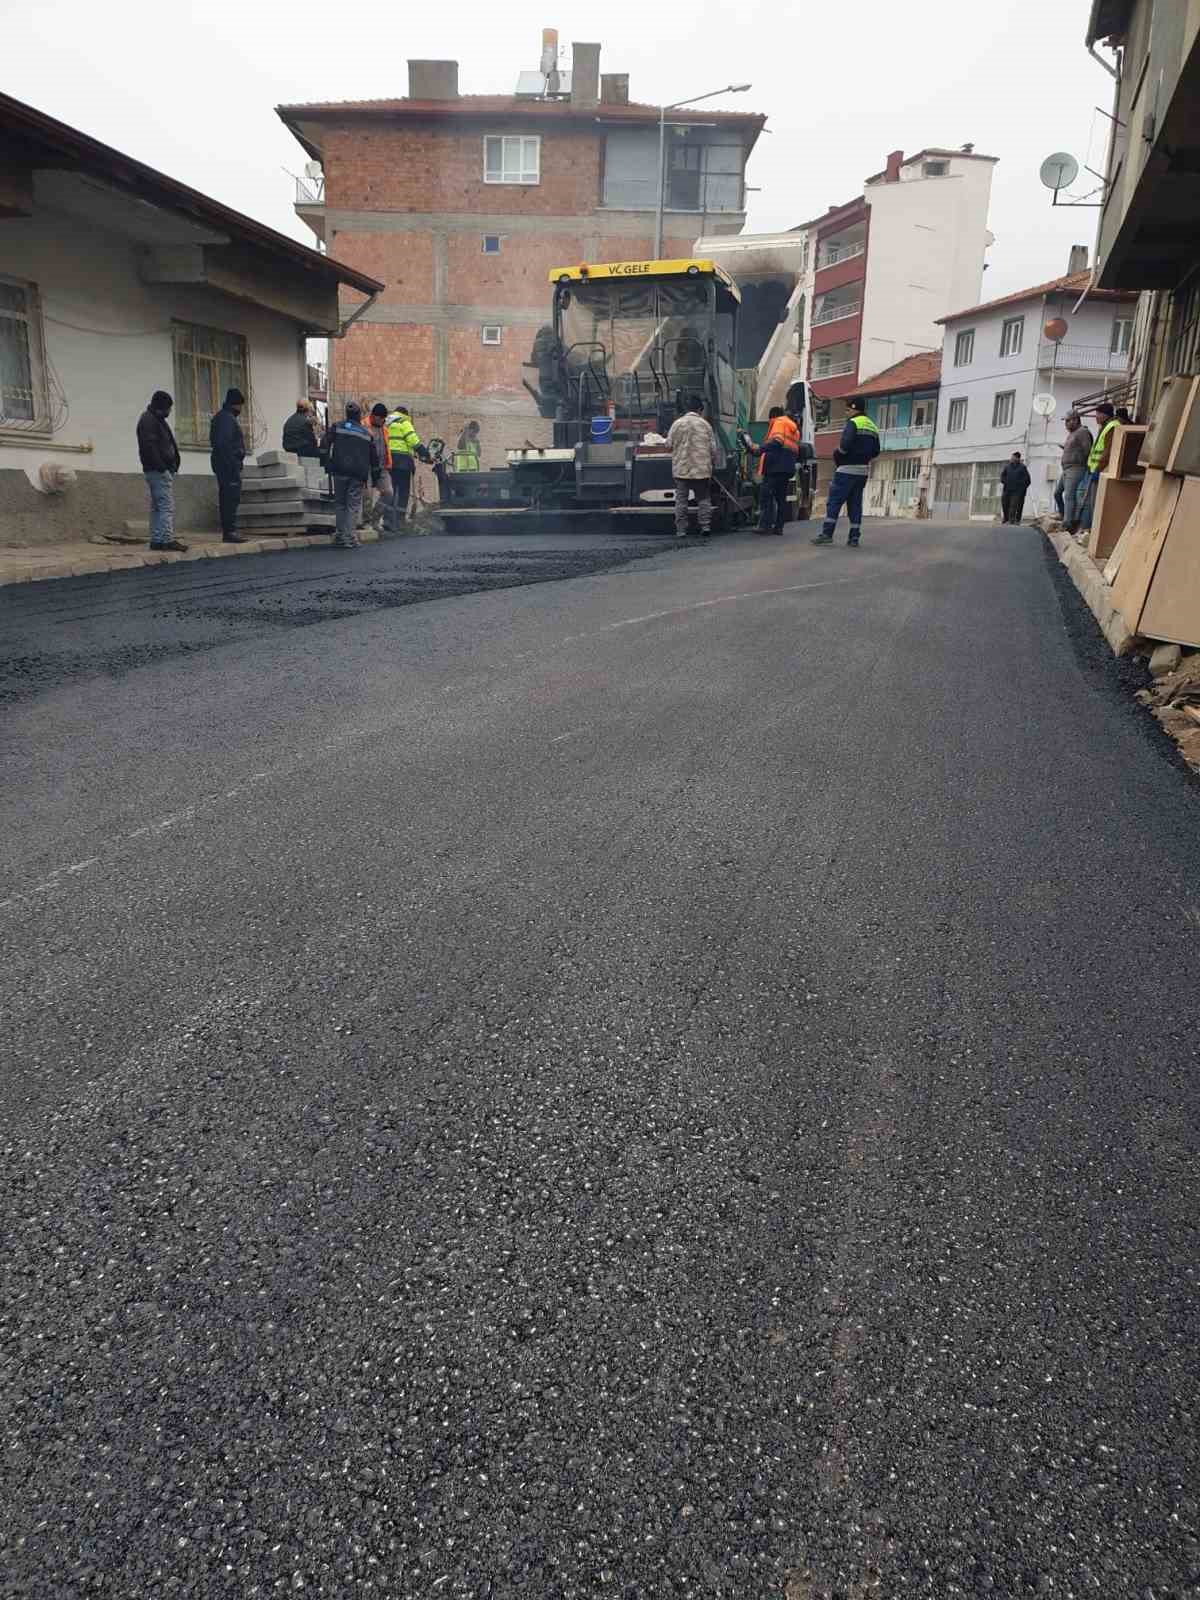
823 538
234 538
855 535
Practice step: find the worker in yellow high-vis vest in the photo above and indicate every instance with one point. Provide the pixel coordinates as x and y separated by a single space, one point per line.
404 445
1106 425
857 448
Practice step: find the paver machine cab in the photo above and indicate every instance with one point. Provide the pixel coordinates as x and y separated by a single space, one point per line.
628 344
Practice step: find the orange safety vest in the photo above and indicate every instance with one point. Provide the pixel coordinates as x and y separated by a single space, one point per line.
786 431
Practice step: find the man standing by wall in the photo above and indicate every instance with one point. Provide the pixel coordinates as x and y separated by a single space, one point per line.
227 445
403 442
857 448
1076 449
160 462
1097 460
693 454
1014 486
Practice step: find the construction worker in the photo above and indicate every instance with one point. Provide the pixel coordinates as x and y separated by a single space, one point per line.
777 457
404 445
693 456
857 448
351 458
466 456
1098 459
382 512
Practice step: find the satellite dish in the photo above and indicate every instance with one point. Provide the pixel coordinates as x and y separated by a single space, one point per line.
1056 330
1045 405
1058 171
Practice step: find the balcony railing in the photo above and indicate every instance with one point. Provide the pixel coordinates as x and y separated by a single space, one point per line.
310 191
839 252
906 439
848 308
833 369
1083 358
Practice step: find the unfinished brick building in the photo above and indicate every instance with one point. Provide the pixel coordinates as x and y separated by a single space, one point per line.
461 204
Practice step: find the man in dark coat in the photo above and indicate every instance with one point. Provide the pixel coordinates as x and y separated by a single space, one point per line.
159 455
1014 482
227 444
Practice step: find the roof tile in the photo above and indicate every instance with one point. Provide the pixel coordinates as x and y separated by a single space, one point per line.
1069 283
923 371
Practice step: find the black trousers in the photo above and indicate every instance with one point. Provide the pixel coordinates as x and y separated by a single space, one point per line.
1014 504
772 501
229 497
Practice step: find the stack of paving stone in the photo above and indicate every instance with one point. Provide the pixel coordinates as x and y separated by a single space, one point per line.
276 500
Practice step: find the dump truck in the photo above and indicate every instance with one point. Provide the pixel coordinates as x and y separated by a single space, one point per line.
626 346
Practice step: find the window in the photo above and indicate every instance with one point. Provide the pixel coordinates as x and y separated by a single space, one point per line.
1012 336
490 333
1003 407
1122 336
207 363
923 411
934 169
888 414
907 477
964 348
22 375
956 421
698 175
491 244
512 159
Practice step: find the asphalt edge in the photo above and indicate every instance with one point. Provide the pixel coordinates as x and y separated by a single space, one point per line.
132 560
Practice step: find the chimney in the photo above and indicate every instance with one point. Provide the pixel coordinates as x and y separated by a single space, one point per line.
892 171
585 74
614 89
1078 259
433 80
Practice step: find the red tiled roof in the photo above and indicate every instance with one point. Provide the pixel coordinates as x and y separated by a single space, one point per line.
1071 283
491 105
923 371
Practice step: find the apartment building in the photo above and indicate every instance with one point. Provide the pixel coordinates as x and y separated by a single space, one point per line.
886 265
902 402
995 359
461 204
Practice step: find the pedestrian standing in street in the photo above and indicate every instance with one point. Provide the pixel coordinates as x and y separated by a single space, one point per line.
1098 455
693 456
300 439
777 468
404 444
351 459
227 445
1076 448
160 462
1014 486
856 449
382 513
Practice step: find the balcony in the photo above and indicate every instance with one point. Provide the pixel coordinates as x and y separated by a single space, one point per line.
310 191
1083 358
906 439
832 254
833 369
835 313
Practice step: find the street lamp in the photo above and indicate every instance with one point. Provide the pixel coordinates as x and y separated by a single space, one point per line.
730 88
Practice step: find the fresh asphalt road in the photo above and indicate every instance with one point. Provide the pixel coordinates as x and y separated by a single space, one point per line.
679 1079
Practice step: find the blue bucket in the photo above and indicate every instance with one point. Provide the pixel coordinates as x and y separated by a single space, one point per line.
602 428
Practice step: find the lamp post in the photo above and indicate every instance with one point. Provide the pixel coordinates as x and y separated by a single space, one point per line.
730 88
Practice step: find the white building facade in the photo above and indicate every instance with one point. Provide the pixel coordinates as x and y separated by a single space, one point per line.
114 282
995 360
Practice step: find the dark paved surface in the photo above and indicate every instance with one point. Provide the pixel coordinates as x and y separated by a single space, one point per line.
680 1082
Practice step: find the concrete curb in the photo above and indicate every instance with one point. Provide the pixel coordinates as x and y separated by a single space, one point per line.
124 560
1097 596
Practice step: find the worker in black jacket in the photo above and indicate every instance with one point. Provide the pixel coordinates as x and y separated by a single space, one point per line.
351 457
1014 483
159 455
227 444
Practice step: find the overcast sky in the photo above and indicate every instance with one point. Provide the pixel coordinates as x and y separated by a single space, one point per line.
190 88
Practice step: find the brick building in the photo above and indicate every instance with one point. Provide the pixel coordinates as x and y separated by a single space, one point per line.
461 204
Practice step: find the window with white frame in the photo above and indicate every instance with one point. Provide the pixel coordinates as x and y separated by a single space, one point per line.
208 362
887 414
956 417
23 402
1012 336
512 158
923 412
491 244
964 348
491 333
1122 336
1003 407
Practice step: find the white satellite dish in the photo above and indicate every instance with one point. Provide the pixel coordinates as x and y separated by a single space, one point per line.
1045 405
312 169
1058 171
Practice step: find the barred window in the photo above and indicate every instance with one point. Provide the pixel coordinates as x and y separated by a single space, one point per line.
207 363
22 365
